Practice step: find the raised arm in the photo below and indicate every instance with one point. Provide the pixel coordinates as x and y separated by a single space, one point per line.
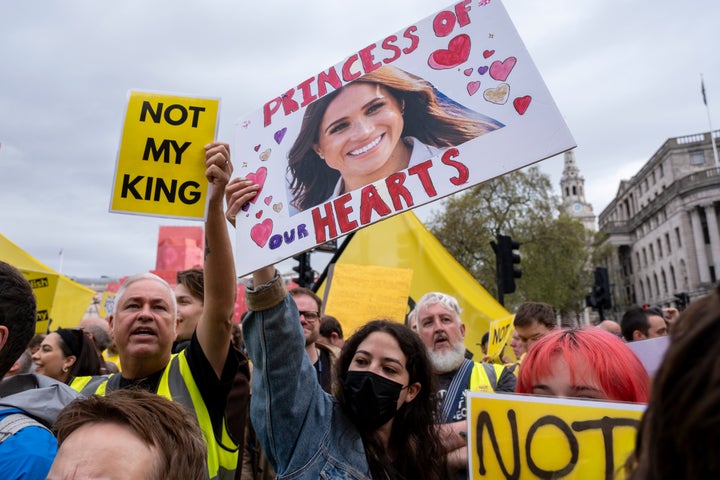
214 330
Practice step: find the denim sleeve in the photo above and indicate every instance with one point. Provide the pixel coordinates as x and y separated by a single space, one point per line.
289 410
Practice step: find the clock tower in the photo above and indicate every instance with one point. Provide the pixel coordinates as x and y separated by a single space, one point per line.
572 186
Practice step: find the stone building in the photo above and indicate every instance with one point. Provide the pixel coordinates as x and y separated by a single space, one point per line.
572 186
662 226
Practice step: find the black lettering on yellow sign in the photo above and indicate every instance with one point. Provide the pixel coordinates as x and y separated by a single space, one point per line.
39 282
43 316
164 150
174 114
499 334
605 425
155 188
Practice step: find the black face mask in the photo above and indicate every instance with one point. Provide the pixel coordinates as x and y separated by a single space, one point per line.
371 399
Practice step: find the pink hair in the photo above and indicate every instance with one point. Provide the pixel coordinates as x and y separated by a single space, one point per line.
621 375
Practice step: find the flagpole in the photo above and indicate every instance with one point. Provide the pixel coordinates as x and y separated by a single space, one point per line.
707 109
61 261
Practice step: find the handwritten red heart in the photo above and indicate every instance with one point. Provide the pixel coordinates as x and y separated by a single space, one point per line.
473 87
457 52
267 200
260 232
488 53
256 147
258 214
258 178
521 104
468 71
500 70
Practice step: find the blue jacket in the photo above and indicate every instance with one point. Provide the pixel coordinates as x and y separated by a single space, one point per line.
302 430
29 453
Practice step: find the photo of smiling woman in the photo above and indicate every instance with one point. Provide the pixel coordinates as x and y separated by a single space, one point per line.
385 121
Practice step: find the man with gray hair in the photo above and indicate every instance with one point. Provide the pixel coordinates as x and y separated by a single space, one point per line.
443 333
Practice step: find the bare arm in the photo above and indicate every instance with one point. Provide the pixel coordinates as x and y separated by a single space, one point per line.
214 330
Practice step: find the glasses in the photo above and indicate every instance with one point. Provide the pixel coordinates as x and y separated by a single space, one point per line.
310 316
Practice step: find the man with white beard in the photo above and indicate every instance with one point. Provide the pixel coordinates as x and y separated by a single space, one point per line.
443 333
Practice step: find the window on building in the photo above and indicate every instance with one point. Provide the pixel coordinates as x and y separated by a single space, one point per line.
712 274
637 260
659 245
652 254
672 277
649 289
667 243
697 157
661 170
647 187
644 257
657 285
704 224
653 177
567 191
677 235
574 190
664 281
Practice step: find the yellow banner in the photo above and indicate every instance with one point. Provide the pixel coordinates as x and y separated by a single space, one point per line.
161 162
500 332
353 296
529 437
44 286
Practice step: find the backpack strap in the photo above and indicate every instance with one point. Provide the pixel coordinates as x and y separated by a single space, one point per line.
455 390
13 423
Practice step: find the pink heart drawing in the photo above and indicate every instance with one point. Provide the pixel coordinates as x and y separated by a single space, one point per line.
256 147
259 179
280 134
468 72
521 104
267 200
500 70
260 232
258 214
457 52
488 53
483 70
473 87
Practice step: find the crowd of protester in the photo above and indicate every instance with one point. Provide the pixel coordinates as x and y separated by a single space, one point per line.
388 401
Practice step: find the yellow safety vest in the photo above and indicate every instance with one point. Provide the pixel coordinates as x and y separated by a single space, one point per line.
178 385
480 381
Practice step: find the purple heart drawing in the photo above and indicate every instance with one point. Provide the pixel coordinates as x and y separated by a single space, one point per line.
483 70
280 134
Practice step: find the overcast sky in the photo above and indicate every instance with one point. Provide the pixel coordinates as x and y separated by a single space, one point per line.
626 78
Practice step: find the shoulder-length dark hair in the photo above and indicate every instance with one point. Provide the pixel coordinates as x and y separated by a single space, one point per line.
419 454
679 433
434 120
74 341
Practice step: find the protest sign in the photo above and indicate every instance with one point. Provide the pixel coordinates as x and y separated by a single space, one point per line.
44 285
650 352
161 161
499 334
528 437
353 297
444 104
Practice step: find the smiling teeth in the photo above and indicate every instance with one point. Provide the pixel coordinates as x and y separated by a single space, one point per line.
367 147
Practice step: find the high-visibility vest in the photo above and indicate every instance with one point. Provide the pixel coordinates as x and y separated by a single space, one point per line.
484 377
178 385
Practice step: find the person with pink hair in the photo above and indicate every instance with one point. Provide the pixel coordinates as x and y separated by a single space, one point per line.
584 363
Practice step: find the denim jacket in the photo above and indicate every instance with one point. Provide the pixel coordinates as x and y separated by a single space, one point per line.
302 430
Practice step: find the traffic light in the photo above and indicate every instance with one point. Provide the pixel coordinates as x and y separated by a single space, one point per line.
306 275
506 258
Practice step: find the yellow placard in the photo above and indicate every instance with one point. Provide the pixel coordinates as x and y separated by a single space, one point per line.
44 286
530 437
353 296
161 162
500 332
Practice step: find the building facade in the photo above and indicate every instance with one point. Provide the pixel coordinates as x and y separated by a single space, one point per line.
662 226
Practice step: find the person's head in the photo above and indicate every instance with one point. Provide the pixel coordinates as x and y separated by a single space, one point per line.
128 434
679 435
331 331
357 131
35 342
640 324
583 363
518 347
308 304
143 323
22 365
441 330
18 311
237 336
532 321
484 342
190 297
610 326
411 319
67 353
98 330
